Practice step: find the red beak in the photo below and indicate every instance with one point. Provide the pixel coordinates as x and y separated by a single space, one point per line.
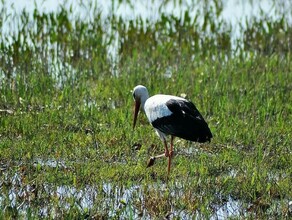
137 108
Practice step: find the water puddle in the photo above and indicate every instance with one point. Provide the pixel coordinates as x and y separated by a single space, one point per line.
50 163
108 199
230 209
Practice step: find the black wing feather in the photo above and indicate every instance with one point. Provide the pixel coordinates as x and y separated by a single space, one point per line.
186 122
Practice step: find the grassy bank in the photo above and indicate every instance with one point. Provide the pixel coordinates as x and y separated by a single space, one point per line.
67 147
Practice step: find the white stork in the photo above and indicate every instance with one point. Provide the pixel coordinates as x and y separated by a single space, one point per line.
171 115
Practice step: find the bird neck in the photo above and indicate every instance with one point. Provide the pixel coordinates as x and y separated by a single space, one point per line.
143 100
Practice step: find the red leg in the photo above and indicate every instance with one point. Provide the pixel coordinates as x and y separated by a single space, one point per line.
168 167
166 148
171 146
166 154
170 154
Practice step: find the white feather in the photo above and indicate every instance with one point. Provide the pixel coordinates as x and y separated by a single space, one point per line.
155 106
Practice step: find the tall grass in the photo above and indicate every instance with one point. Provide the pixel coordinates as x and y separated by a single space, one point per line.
66 116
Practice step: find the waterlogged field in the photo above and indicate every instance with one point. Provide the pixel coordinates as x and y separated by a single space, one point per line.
67 147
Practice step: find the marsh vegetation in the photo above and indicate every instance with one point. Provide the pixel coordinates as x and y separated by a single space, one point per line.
67 147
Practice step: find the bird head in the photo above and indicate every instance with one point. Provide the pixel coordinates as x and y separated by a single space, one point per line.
140 94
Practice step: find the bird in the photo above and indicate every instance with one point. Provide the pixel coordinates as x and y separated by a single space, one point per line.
170 116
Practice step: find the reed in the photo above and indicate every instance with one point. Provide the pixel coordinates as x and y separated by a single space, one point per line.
67 147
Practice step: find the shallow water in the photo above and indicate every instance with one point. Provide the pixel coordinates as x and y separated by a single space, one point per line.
110 199
235 13
42 199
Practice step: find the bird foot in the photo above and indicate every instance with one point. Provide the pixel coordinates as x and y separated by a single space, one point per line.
151 162
152 159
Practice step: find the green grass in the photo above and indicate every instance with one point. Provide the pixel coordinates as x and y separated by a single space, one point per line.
81 117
